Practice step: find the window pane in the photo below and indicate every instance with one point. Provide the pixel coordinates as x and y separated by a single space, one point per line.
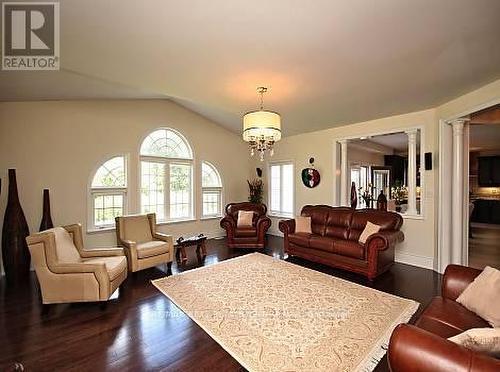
106 208
111 174
166 143
180 191
209 176
275 188
153 189
287 188
211 203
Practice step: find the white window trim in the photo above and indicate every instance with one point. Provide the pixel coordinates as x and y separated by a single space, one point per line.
167 162
219 189
281 214
94 191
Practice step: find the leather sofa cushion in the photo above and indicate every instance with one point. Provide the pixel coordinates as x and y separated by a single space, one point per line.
114 265
337 223
349 248
245 231
301 239
322 243
319 216
386 221
448 318
152 248
136 229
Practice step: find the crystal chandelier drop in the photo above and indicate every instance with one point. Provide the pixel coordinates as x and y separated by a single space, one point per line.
261 128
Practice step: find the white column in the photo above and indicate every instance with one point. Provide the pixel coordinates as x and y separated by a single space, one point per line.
412 171
457 210
344 173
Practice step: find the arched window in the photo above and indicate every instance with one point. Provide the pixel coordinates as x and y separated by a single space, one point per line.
108 193
211 190
166 176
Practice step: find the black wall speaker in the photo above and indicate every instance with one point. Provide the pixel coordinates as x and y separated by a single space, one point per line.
428 160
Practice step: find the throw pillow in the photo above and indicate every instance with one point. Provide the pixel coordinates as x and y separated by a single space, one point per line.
303 225
484 340
244 219
482 296
370 229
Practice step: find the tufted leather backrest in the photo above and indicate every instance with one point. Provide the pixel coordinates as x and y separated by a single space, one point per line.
347 223
258 209
386 220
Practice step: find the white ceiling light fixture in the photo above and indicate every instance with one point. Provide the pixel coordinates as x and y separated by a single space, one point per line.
261 128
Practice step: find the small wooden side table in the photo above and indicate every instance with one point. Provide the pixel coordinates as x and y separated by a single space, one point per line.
183 243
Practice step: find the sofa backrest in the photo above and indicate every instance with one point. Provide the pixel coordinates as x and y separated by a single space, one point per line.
347 223
386 221
329 221
258 209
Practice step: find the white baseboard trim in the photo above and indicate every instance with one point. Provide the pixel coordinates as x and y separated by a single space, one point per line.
415 260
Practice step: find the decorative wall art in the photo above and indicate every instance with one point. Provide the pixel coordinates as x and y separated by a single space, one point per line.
310 176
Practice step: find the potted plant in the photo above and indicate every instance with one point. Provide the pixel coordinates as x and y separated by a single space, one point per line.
256 190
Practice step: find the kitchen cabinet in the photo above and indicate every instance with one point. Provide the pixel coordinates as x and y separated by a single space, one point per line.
486 211
489 171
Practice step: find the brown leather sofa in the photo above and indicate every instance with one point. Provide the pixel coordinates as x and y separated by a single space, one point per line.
335 235
424 346
246 237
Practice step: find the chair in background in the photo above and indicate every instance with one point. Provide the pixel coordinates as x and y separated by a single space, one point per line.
67 272
250 236
143 245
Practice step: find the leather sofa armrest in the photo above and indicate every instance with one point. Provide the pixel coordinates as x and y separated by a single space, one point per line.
263 224
287 226
101 252
412 349
456 278
228 223
385 239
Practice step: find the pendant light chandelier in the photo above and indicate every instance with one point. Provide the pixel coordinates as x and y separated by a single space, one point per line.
261 128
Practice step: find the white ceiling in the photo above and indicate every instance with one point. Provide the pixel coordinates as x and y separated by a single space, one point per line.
327 62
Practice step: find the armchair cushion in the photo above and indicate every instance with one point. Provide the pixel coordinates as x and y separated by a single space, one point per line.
136 229
66 250
152 248
114 265
245 231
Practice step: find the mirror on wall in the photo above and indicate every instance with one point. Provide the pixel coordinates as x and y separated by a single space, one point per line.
387 164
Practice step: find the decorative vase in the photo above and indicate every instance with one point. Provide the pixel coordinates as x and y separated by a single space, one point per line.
354 196
46 218
382 201
15 253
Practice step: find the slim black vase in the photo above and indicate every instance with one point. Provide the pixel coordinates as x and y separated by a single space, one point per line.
46 222
15 253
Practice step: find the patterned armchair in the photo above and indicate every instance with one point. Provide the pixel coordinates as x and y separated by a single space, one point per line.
246 237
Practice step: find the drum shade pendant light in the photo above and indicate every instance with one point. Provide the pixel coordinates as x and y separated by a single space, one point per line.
261 128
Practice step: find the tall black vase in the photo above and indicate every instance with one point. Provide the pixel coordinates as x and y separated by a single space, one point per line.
15 253
46 222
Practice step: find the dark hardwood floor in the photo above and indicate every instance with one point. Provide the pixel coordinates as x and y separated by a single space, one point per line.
484 247
140 329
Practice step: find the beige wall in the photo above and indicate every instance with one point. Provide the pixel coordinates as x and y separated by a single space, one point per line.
420 239
58 145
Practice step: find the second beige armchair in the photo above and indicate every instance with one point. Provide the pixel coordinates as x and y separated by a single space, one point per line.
143 245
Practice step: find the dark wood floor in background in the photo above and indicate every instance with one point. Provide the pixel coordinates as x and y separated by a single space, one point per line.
484 246
142 330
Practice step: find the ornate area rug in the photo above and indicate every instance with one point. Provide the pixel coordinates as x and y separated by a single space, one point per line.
272 315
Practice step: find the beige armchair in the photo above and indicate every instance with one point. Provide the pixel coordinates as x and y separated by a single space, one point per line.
143 245
69 273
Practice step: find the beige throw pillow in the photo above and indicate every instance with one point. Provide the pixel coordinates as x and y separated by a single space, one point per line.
303 225
370 229
483 340
482 296
244 219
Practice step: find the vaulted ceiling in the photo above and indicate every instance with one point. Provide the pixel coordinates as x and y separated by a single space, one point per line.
327 62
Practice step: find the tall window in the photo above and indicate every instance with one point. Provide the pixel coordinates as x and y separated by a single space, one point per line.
108 193
211 186
166 176
281 189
